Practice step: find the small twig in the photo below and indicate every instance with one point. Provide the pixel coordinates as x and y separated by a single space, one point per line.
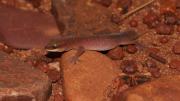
136 9
158 58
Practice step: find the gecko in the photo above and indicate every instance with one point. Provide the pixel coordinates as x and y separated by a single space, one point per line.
102 42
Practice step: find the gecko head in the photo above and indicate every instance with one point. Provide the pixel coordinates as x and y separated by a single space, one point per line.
54 46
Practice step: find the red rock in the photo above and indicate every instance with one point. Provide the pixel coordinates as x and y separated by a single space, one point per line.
26 29
116 53
133 23
129 66
158 58
95 18
115 18
22 82
131 49
162 89
152 68
89 78
155 72
175 64
151 19
54 75
164 29
151 64
170 19
163 40
176 47
40 65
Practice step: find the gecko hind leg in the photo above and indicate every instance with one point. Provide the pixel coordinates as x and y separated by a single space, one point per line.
79 52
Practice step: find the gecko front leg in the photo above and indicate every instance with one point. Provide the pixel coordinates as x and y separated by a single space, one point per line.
79 52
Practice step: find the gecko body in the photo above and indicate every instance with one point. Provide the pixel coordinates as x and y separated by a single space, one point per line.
94 42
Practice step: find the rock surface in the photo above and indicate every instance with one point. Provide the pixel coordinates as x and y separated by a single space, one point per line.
176 47
26 29
175 64
163 89
96 18
89 78
21 82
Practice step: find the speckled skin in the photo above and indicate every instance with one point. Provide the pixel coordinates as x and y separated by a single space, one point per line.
95 42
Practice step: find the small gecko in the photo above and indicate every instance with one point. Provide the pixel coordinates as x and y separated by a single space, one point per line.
94 42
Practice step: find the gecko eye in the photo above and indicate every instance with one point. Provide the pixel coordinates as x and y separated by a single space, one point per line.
51 45
54 45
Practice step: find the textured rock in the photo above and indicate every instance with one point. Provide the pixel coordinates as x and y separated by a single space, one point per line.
163 89
175 64
21 82
96 19
26 29
116 53
176 47
89 78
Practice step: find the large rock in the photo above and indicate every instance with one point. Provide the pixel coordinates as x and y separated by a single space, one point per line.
21 82
89 78
26 29
163 89
84 17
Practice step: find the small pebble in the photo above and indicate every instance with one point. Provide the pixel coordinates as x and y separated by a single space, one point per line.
163 40
151 19
116 53
151 64
116 19
129 66
152 68
164 29
131 49
176 47
170 19
155 72
175 64
54 75
133 23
